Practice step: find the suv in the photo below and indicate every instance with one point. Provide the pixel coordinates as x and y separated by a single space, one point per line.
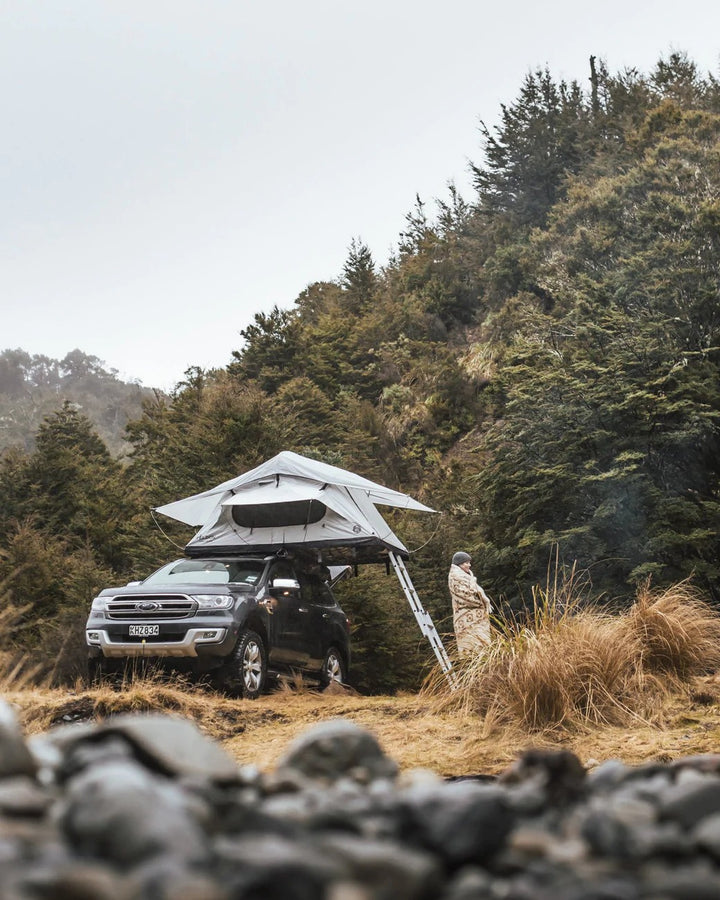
238 618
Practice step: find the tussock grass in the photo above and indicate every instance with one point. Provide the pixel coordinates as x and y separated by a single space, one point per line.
678 632
573 665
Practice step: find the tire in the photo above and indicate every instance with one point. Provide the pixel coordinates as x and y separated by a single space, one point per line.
333 668
245 672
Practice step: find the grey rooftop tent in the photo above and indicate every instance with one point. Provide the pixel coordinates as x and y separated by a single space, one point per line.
294 503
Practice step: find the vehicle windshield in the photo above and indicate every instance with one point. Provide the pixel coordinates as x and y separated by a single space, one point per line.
209 571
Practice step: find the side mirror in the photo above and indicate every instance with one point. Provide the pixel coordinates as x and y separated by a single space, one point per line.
133 583
285 585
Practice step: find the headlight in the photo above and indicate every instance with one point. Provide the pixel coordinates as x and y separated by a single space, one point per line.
213 601
99 604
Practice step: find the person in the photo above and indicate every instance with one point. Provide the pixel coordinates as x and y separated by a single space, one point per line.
471 606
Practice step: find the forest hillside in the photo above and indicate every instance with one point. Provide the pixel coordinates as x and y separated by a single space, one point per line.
34 386
538 362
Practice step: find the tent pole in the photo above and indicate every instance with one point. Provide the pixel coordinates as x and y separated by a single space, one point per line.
423 618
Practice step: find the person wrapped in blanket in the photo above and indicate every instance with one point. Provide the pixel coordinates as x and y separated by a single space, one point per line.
471 607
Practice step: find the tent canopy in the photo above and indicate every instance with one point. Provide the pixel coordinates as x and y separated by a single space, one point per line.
291 501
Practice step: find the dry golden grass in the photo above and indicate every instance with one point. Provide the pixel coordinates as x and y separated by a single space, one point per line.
448 741
678 633
574 666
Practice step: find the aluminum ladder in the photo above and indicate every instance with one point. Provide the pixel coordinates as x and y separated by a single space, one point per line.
423 618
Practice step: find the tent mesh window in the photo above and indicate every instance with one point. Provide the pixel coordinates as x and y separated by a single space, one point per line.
278 515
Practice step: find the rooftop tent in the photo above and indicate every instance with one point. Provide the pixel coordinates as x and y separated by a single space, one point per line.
294 502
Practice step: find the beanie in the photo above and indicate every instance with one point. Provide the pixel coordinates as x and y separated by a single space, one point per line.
459 558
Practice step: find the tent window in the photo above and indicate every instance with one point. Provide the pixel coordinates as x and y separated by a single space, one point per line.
278 515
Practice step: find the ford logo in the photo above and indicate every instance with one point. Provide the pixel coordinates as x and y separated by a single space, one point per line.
147 606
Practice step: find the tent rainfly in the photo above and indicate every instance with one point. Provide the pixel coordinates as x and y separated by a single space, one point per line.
295 503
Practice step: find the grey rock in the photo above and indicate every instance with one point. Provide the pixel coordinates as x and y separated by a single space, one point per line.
608 775
15 757
665 840
463 822
270 867
72 880
706 835
691 799
167 744
167 878
22 796
470 883
704 762
648 789
373 814
389 870
559 773
697 880
105 747
337 748
120 812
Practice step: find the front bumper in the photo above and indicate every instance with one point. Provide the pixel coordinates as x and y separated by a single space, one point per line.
194 642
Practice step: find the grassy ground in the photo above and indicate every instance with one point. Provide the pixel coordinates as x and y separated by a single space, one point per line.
638 686
450 742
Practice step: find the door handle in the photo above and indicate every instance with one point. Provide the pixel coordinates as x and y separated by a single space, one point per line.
302 609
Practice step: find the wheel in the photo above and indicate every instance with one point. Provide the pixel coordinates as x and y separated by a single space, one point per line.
245 673
333 668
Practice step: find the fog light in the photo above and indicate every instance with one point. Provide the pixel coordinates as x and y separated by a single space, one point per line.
208 635
93 637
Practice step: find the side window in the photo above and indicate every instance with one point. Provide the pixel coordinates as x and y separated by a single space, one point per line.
281 569
317 591
324 595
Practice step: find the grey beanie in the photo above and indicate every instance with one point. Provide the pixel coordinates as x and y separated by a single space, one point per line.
459 558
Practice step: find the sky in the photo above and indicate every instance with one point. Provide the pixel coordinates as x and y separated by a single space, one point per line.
169 168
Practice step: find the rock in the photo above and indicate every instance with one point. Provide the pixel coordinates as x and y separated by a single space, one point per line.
167 744
70 880
706 835
15 757
691 799
389 870
119 812
337 748
463 822
23 797
559 773
470 883
275 868
166 878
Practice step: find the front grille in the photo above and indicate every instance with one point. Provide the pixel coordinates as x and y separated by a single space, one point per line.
168 607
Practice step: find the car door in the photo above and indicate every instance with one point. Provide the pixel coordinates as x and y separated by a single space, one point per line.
317 600
287 624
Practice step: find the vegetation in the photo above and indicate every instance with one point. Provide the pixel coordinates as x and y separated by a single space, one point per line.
32 387
574 665
539 362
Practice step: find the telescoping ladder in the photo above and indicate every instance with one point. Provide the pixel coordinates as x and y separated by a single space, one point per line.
423 619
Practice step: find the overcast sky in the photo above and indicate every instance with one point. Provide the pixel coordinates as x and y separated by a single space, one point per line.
168 169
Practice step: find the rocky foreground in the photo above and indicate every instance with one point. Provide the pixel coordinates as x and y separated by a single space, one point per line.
145 806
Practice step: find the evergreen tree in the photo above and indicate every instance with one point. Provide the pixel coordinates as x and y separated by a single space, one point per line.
358 278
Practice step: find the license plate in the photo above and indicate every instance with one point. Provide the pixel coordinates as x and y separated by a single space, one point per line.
144 630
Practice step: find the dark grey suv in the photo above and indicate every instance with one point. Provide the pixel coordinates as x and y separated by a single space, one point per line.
238 618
